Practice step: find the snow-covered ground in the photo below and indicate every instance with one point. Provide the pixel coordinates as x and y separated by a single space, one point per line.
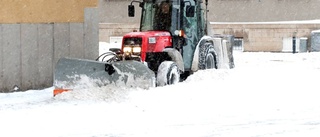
265 95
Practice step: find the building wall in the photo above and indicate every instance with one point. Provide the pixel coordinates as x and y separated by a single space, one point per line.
253 20
263 10
107 30
115 11
34 34
44 11
265 36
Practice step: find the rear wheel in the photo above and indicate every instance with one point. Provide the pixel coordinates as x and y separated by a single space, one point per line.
207 58
168 73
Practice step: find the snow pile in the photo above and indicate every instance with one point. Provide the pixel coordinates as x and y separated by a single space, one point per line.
202 75
85 88
267 94
106 93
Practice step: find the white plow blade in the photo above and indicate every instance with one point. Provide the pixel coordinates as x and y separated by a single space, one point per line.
123 73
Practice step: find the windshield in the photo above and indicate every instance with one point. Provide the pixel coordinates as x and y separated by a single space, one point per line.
157 15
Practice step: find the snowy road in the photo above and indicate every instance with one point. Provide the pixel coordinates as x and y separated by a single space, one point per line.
266 95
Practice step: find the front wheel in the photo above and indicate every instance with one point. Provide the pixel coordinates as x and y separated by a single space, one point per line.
168 73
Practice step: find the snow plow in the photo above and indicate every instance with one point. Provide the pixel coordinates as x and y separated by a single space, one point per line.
70 71
173 42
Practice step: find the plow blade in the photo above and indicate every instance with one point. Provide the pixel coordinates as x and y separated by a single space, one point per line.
76 73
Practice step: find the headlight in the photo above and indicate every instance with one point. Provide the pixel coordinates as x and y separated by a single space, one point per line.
127 49
136 49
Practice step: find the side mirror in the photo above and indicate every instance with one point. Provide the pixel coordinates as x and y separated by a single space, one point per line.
131 10
190 10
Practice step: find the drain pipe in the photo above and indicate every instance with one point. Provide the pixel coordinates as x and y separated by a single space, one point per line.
294 40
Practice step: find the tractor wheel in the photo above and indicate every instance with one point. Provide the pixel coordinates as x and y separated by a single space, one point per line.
168 73
207 57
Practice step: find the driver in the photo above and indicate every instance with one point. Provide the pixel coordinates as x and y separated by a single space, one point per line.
165 7
164 17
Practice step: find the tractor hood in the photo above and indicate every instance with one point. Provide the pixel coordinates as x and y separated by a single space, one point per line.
150 41
147 34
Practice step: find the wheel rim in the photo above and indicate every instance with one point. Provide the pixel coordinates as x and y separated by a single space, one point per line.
173 77
168 74
210 61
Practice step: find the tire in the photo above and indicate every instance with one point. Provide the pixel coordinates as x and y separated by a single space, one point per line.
168 73
207 58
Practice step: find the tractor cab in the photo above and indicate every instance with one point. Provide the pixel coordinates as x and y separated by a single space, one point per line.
182 19
163 15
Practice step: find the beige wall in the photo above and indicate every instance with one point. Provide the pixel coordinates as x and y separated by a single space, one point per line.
115 11
43 11
256 37
266 36
263 10
107 30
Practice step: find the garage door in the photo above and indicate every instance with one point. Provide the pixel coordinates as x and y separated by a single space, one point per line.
287 44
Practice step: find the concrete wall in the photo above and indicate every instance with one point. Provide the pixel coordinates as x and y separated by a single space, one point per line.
256 36
263 10
115 11
30 48
226 13
107 30
265 36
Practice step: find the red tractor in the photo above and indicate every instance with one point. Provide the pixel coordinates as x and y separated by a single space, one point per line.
172 43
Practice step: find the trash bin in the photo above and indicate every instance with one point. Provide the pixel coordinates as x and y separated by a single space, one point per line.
303 44
315 40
